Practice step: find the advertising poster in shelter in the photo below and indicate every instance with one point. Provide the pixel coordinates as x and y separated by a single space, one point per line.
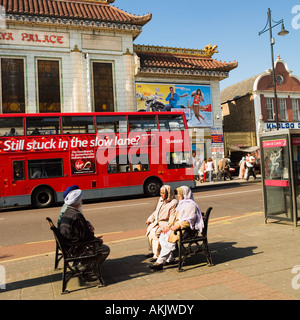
194 100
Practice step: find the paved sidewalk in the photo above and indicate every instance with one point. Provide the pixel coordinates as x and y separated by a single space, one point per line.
253 261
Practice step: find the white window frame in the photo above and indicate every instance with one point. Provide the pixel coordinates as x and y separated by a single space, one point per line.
295 106
270 109
282 109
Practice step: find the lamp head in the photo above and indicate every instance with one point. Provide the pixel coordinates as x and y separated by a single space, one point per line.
283 32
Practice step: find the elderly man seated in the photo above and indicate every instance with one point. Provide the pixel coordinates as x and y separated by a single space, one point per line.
75 228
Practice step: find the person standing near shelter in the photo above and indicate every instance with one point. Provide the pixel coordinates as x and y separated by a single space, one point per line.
160 218
187 214
250 161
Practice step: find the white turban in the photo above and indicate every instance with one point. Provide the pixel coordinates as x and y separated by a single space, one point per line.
74 197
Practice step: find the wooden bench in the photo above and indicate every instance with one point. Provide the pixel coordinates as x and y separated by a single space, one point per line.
192 242
80 259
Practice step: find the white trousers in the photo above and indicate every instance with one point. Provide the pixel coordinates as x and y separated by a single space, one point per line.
153 240
166 252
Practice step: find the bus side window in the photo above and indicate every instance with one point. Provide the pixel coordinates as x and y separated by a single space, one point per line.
178 160
119 164
140 162
18 167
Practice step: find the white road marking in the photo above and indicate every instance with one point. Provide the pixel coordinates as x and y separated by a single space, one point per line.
227 194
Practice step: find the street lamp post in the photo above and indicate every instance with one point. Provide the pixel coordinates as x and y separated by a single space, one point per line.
283 32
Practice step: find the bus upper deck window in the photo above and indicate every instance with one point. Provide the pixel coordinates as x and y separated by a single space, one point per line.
171 123
78 124
142 123
113 124
42 126
10 127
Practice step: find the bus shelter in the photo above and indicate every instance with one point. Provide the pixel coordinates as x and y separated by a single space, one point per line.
280 160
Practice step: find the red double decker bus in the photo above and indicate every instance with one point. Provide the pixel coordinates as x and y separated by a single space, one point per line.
105 154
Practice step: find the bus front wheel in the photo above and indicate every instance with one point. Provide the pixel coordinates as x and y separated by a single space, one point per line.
42 197
152 188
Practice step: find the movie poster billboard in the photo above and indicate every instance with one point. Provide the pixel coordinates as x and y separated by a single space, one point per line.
194 100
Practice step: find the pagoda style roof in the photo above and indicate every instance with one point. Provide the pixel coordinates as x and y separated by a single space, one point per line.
186 61
84 13
79 9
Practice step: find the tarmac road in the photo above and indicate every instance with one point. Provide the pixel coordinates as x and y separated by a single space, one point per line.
25 226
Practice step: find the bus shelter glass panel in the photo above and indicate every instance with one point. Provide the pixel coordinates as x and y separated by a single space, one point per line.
276 178
296 167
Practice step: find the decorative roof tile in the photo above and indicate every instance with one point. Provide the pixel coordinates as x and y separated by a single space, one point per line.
74 9
189 59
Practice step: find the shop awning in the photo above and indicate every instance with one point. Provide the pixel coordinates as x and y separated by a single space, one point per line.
241 149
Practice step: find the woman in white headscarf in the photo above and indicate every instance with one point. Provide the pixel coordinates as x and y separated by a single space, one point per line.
188 214
160 218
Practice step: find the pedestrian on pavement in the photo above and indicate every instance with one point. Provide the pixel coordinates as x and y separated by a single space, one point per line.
194 160
242 165
209 167
250 161
220 170
159 219
187 214
226 168
64 207
76 229
202 171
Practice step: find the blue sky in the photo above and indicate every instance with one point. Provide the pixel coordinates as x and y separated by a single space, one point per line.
232 25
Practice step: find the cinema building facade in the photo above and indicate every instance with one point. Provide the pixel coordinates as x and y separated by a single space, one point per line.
79 56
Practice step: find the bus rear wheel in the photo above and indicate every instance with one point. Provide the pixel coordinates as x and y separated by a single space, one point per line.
42 197
152 188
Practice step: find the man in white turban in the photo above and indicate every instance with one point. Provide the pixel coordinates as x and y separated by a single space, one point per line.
75 228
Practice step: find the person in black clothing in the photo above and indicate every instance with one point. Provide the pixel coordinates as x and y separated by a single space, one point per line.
75 228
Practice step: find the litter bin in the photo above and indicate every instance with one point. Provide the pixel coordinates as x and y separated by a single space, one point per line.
280 163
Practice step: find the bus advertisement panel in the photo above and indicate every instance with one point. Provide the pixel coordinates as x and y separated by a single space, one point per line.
105 154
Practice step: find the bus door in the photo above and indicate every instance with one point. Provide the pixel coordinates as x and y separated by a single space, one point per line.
17 182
